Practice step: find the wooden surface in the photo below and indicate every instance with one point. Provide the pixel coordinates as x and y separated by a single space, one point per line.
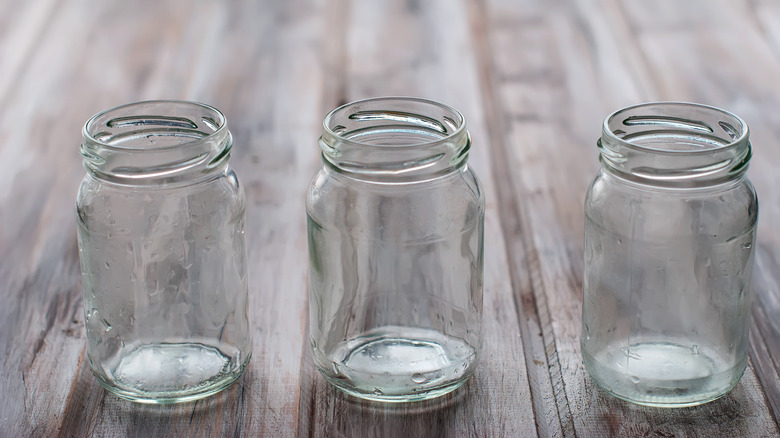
534 80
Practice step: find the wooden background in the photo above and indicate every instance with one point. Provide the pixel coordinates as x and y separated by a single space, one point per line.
534 80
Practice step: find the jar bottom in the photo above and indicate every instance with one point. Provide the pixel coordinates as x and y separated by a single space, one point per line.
170 372
398 364
662 374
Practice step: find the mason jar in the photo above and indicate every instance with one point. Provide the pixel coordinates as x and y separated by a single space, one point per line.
161 244
395 226
670 234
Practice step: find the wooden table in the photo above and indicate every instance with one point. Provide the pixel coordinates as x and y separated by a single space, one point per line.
534 80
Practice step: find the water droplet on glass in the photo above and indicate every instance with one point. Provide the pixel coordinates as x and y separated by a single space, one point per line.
620 241
106 323
747 245
418 378
378 391
108 266
695 349
336 370
635 379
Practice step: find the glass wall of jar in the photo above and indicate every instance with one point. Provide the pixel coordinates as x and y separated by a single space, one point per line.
161 241
669 239
395 225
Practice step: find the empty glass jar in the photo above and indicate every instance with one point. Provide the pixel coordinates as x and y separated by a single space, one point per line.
395 224
161 241
669 240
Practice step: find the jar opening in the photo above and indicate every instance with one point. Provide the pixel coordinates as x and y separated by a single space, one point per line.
675 143
394 138
676 127
155 142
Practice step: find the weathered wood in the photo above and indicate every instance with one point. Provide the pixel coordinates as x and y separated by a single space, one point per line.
418 62
534 80
554 94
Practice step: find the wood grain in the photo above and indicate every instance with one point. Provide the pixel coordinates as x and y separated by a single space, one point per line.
561 108
404 67
534 80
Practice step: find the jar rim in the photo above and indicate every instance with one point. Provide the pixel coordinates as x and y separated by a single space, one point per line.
675 144
737 141
460 121
156 142
219 127
395 139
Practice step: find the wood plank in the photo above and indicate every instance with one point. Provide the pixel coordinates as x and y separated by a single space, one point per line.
22 24
562 108
714 56
522 258
432 57
41 322
270 99
42 275
766 16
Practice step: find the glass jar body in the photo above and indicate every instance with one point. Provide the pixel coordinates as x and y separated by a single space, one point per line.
165 287
160 218
395 283
666 299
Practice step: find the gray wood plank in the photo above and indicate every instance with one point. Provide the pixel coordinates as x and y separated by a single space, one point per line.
41 322
554 94
707 63
766 16
240 59
432 57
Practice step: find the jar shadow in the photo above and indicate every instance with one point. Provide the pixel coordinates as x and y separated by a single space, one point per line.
725 416
91 409
442 403
323 409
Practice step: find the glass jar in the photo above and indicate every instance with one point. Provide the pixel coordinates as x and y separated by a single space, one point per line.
669 239
161 242
395 224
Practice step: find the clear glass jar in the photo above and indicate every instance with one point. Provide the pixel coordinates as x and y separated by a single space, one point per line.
161 241
395 224
669 240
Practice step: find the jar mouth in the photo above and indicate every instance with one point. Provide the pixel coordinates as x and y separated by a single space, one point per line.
156 141
425 121
675 128
154 125
394 138
675 144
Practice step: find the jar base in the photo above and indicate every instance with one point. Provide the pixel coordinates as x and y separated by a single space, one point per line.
662 374
166 373
399 364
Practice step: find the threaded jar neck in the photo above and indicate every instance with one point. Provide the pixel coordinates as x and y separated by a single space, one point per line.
395 140
156 142
674 144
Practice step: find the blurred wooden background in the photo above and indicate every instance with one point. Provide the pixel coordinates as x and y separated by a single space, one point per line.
534 79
